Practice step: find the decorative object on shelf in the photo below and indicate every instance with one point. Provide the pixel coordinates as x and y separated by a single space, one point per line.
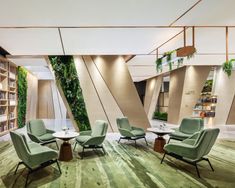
175 56
205 106
228 66
66 76
22 96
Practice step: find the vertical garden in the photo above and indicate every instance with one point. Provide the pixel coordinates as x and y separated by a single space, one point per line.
66 76
22 96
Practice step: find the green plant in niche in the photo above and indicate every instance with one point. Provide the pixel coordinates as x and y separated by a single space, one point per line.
228 67
160 115
22 96
208 86
66 76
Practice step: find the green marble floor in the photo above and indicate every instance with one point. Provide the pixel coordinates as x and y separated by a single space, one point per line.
124 166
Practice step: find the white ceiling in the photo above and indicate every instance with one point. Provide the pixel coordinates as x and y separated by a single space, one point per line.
78 13
109 27
37 66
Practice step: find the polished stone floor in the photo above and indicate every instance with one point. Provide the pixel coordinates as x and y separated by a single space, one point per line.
124 166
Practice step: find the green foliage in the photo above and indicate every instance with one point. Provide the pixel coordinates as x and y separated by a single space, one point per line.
22 96
208 86
66 75
159 64
161 116
168 58
228 66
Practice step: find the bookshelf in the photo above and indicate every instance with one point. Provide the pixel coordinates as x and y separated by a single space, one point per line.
8 96
205 106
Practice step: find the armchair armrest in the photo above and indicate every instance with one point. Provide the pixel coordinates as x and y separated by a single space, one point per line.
34 138
125 132
50 131
85 133
195 135
94 140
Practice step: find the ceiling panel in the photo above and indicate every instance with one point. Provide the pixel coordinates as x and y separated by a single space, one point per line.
91 13
210 13
28 41
20 61
114 41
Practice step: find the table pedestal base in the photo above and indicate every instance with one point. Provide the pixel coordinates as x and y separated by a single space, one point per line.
159 144
65 152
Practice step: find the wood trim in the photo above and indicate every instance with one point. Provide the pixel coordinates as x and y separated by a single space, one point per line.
226 33
61 41
182 15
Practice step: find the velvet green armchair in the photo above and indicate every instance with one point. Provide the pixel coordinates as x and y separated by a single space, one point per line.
38 133
187 128
129 132
33 155
93 138
193 149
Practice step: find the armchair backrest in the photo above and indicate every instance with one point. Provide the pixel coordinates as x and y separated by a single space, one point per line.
100 128
191 125
20 145
205 141
123 123
36 127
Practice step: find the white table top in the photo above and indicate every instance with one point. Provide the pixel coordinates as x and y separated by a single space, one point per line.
158 130
64 135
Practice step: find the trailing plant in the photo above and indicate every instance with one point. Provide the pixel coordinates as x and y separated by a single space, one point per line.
189 56
66 76
180 62
168 58
228 67
22 96
159 64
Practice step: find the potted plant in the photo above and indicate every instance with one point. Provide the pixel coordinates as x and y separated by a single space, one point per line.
228 66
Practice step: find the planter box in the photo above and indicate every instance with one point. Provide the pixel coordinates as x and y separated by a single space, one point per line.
185 51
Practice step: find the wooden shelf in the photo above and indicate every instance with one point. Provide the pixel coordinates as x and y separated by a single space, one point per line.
3 69
204 110
8 80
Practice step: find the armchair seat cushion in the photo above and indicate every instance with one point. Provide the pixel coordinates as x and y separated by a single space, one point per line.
82 139
46 137
179 135
138 132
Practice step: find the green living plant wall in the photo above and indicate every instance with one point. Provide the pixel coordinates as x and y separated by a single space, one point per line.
66 76
22 96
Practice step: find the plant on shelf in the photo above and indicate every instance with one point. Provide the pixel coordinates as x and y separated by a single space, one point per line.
22 96
159 64
66 76
168 56
228 67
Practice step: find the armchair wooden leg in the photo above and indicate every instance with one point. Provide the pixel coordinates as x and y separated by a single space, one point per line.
197 170
146 141
75 146
103 150
57 145
58 165
163 157
210 164
18 166
168 140
26 182
82 152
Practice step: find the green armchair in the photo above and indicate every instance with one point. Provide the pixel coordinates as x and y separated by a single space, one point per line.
129 132
187 128
38 133
193 149
93 138
33 155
